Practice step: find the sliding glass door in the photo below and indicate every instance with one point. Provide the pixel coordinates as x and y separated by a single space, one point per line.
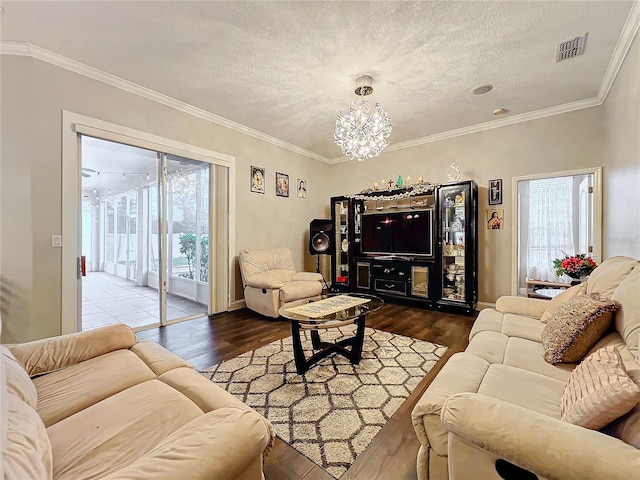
146 228
187 237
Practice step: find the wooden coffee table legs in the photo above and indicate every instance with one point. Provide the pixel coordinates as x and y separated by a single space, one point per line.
327 348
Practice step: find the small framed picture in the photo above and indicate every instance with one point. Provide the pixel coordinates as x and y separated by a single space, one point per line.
282 184
257 179
495 218
495 191
302 188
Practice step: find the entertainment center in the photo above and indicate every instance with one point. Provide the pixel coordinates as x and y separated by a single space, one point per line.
413 244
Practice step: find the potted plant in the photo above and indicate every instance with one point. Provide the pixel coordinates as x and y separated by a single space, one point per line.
578 266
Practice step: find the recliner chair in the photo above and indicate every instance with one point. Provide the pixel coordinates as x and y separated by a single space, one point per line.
271 281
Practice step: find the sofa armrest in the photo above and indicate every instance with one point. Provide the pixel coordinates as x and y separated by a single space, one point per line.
463 372
49 354
529 307
306 276
220 444
158 359
544 445
268 279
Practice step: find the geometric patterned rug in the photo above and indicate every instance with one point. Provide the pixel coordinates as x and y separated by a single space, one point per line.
331 413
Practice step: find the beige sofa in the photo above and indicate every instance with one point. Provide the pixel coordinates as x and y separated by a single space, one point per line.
499 399
98 404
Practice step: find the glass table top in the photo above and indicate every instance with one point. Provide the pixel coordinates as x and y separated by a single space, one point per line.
373 303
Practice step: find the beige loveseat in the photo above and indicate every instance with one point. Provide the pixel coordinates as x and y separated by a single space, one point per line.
98 404
500 400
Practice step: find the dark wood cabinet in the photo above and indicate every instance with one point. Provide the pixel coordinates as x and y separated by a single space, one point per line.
458 245
407 277
345 216
430 258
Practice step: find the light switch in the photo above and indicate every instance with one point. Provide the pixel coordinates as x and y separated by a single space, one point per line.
56 240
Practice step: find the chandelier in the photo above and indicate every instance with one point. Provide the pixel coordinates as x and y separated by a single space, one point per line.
360 133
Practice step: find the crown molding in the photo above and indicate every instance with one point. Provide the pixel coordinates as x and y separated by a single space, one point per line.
629 32
480 127
27 49
15 48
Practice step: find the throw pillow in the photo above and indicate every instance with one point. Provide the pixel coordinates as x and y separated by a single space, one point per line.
576 326
558 300
599 390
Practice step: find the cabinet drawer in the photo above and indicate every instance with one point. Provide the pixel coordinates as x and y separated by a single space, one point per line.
390 271
391 286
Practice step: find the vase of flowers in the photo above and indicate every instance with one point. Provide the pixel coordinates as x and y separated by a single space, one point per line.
578 266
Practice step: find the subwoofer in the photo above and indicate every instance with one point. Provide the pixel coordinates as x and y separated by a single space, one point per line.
320 234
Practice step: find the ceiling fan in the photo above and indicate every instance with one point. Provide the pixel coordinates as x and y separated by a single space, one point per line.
85 171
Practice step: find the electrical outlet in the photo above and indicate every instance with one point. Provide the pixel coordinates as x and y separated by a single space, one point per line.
56 240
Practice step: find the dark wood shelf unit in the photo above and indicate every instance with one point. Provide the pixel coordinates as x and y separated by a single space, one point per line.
446 280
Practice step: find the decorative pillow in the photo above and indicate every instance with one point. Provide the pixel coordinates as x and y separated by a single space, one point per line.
576 326
599 390
559 299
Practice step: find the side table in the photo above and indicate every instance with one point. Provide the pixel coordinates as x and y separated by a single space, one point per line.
535 286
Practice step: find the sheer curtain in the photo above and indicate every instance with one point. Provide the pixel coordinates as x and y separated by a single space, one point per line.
550 226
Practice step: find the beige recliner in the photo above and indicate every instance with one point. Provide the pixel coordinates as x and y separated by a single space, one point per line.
271 281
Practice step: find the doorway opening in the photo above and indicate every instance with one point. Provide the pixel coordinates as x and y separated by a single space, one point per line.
556 214
122 240
147 228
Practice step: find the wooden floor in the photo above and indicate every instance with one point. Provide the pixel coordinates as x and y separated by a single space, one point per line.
392 453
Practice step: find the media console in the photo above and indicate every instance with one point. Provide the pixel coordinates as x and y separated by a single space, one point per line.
414 247
394 276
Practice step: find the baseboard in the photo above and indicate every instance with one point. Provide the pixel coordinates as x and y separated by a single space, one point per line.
237 305
483 305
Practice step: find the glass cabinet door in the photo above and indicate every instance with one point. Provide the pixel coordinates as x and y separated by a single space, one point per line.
341 241
454 236
420 281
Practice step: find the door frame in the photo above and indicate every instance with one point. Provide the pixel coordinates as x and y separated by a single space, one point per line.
597 215
73 124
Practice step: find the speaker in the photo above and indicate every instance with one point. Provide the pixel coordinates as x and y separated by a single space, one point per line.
320 234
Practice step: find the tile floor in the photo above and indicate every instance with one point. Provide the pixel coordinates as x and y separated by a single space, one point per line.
108 300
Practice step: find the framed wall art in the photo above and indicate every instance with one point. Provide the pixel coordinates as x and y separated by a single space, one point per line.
495 219
282 184
495 191
302 188
257 179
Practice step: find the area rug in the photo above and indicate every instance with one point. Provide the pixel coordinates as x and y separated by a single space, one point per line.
331 413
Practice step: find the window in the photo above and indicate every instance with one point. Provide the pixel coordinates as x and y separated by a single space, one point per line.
550 232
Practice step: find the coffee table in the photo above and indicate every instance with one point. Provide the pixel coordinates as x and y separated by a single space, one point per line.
355 314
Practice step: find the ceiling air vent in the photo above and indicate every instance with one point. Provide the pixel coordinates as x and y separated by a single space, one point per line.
570 48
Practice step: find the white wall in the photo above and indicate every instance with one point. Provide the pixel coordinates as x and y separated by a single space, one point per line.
622 162
16 224
33 96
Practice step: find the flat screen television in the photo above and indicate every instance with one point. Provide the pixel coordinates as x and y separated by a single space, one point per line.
404 233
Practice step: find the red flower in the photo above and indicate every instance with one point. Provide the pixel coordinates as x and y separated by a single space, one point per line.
576 266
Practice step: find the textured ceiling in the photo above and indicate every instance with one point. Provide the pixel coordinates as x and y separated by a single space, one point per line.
285 68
